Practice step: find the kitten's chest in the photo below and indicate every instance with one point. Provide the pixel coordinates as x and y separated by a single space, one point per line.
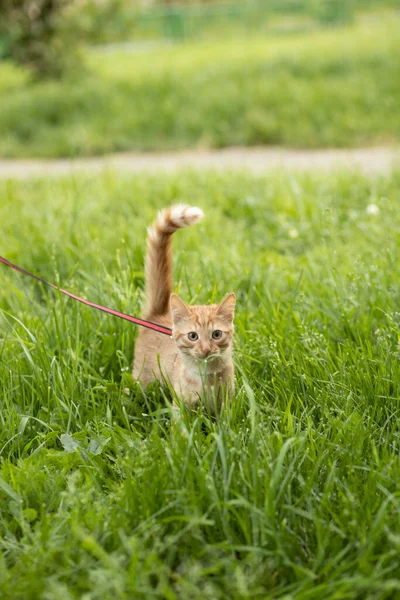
194 377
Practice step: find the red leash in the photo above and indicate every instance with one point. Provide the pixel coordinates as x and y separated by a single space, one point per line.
110 311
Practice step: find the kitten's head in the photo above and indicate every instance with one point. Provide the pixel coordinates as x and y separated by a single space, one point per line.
203 332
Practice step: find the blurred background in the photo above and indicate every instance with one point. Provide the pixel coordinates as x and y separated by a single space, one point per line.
88 77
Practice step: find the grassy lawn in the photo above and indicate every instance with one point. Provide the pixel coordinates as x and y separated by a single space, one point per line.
294 492
336 87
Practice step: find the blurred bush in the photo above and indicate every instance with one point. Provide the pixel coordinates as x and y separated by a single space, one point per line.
34 33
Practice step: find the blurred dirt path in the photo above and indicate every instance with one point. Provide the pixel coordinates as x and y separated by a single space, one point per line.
257 160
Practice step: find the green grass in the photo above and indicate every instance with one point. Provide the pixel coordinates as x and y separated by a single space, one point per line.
294 491
338 87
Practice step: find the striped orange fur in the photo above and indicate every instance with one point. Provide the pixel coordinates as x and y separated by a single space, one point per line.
158 268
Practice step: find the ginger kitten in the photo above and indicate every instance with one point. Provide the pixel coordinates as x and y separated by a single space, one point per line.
197 358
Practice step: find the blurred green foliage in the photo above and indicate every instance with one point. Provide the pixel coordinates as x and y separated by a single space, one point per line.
44 34
114 20
186 20
332 88
32 33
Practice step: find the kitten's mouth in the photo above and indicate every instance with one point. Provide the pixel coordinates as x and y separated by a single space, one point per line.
210 361
209 357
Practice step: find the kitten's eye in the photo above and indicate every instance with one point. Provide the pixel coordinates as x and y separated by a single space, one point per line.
217 334
193 336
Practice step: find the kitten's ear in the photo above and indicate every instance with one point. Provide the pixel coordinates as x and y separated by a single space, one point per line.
226 308
179 310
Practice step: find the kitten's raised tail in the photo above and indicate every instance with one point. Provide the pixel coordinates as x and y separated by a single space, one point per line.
158 266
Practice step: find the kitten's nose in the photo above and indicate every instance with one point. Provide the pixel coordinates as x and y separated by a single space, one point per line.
206 351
